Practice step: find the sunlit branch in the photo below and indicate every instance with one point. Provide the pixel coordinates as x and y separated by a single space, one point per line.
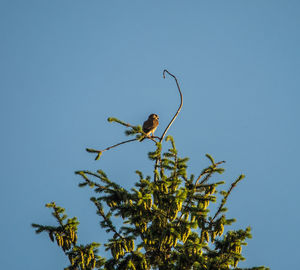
174 117
226 196
101 212
208 173
99 152
88 181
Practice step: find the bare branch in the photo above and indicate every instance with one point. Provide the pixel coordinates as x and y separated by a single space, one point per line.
181 103
173 119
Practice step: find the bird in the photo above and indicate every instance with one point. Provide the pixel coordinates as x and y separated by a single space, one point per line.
150 125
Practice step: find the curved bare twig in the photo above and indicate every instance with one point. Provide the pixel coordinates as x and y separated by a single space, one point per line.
172 120
178 110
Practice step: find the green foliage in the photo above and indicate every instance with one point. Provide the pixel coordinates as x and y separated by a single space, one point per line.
166 221
65 234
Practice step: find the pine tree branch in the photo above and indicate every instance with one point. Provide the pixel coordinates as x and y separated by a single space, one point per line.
207 172
108 223
57 216
88 181
226 196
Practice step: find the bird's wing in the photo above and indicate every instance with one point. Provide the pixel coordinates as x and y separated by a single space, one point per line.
147 126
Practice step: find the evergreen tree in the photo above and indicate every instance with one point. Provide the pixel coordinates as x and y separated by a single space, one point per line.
166 219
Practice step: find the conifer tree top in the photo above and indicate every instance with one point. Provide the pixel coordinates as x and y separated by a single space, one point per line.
166 218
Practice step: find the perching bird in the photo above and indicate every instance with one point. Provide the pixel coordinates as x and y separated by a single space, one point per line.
150 125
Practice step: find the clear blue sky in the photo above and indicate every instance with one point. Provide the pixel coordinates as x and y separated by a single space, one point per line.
66 65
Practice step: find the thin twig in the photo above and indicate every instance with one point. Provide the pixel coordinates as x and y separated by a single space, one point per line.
115 145
99 152
181 103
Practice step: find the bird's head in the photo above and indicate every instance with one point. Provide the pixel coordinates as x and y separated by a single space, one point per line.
153 116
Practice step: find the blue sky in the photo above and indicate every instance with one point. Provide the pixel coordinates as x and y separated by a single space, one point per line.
68 65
